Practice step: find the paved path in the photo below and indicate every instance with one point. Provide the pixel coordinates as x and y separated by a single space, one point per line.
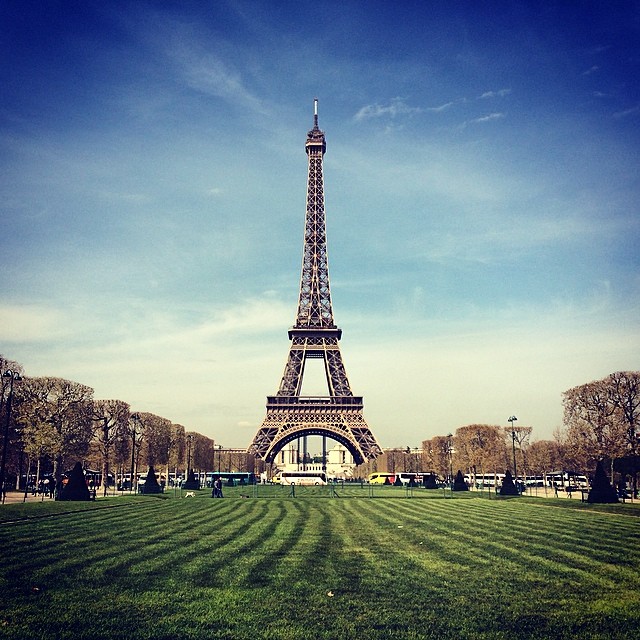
18 496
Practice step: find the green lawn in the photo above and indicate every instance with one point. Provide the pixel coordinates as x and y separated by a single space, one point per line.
358 566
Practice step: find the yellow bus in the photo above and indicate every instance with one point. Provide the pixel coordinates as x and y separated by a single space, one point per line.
382 478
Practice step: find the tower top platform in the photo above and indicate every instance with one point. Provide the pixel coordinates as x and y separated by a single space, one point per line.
315 137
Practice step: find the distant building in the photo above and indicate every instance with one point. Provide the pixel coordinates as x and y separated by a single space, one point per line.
339 464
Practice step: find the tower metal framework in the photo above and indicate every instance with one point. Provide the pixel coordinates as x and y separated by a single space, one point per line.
339 415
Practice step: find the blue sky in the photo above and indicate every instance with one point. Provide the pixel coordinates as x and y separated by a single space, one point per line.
482 200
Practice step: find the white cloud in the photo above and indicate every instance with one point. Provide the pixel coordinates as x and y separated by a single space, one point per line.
208 74
31 323
627 112
197 60
442 107
494 94
395 108
488 118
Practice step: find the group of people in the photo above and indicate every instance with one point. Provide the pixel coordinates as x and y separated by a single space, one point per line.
216 492
45 487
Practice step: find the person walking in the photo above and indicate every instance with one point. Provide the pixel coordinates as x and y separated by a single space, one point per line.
217 488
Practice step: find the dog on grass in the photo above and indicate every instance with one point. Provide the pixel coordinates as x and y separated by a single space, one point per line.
190 494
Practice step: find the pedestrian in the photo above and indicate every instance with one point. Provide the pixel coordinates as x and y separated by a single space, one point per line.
217 488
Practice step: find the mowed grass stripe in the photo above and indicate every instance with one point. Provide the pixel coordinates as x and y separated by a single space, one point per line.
540 558
319 569
145 540
536 541
191 545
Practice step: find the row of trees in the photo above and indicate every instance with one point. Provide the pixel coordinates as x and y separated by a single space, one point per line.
55 422
602 419
601 422
50 423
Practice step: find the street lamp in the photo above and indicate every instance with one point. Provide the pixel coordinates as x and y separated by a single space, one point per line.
134 434
511 420
13 376
189 441
219 448
450 441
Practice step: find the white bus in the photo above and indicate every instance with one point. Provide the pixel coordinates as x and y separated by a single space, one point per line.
484 480
563 479
303 477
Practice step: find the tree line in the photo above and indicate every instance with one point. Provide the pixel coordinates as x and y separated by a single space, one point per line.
600 423
49 423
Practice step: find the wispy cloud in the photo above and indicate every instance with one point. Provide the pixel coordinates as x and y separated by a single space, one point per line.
494 94
31 323
442 107
593 69
206 73
397 107
198 61
487 118
482 119
627 112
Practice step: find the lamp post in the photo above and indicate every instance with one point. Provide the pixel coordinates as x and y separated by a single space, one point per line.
219 448
480 442
189 441
135 418
511 420
450 450
13 376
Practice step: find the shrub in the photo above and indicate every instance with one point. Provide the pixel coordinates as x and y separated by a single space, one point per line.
508 487
601 489
76 487
151 483
459 484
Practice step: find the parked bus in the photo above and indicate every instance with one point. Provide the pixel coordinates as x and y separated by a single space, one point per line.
415 477
562 480
303 477
403 477
484 480
231 478
382 478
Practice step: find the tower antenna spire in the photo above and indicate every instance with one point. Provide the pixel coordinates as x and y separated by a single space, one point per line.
315 113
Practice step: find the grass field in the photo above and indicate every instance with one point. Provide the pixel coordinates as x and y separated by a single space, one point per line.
359 566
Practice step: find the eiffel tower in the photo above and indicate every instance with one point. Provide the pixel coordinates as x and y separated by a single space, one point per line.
338 415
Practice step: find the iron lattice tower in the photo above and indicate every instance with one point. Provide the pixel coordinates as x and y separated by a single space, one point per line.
315 335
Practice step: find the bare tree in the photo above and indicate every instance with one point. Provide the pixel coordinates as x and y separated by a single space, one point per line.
202 453
480 447
438 451
65 405
111 419
40 440
544 456
593 433
518 437
122 449
625 395
177 449
10 377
